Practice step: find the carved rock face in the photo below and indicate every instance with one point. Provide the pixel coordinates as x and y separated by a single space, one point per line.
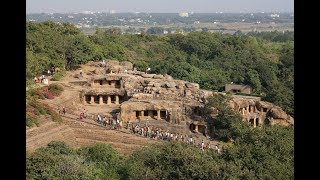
278 113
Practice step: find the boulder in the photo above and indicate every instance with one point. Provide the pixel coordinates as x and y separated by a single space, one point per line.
169 84
189 85
158 76
79 76
195 85
130 72
142 96
150 84
168 77
112 63
278 113
263 104
187 93
156 84
95 71
206 93
126 65
147 75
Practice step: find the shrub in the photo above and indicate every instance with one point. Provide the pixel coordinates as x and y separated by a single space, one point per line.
59 147
57 76
38 94
38 108
31 119
105 157
48 95
55 117
55 89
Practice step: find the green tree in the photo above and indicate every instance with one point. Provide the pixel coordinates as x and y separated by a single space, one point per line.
228 123
155 30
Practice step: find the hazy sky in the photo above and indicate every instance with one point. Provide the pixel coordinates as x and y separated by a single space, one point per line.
61 6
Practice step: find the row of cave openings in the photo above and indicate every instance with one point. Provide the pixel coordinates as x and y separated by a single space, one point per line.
107 83
104 99
250 109
153 114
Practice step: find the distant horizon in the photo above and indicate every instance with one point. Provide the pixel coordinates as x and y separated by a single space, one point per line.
108 12
159 6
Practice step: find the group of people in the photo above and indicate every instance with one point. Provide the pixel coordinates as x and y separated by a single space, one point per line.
62 110
83 114
44 77
112 123
159 134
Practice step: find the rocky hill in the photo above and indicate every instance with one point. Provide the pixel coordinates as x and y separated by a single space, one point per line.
116 91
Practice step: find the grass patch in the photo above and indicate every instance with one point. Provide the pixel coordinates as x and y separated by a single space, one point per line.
55 89
31 119
34 109
58 76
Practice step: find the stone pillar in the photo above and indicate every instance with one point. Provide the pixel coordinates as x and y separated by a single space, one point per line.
100 99
117 99
142 115
196 128
92 99
158 114
108 99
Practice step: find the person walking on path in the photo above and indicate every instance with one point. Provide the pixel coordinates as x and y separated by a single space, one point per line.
64 110
202 145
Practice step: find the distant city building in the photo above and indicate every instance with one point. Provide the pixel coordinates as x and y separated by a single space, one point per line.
183 14
274 15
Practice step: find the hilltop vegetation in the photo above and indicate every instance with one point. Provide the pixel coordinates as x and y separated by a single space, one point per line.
210 59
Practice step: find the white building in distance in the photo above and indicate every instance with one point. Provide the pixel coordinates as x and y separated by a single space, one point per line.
183 14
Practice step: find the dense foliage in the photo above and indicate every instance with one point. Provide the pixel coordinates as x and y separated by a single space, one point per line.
210 59
228 124
275 36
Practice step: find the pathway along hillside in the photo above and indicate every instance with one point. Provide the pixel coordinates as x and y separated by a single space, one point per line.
79 133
